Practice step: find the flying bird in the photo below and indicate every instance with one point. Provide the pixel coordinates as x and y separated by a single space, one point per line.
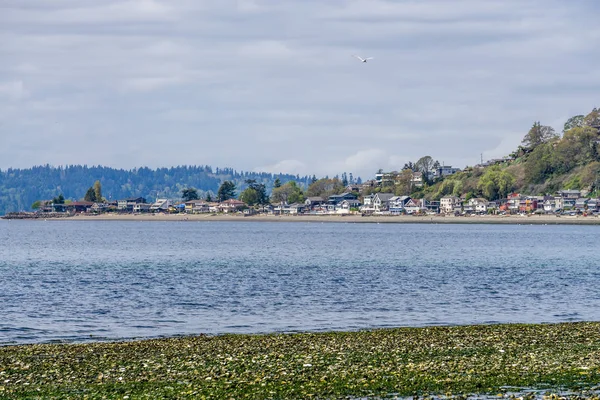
363 59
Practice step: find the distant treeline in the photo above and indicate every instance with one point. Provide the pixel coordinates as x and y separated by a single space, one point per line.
20 188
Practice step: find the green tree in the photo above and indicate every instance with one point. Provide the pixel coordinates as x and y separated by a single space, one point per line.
189 194
277 183
496 183
90 195
208 197
593 118
36 205
402 183
573 122
424 165
60 199
344 179
325 187
98 191
226 191
539 165
255 193
537 135
289 193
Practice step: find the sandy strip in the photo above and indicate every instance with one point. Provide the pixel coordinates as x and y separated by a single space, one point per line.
521 220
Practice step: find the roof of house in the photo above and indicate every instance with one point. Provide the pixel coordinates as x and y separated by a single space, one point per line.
384 196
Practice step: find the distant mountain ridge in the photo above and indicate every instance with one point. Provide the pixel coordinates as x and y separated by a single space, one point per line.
20 188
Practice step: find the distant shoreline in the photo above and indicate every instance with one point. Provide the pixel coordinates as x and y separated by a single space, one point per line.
428 219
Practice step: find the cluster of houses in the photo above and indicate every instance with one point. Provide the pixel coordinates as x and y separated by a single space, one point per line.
565 201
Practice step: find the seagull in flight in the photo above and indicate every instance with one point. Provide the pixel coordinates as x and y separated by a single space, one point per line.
363 59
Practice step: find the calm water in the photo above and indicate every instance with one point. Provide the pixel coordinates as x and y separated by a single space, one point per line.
95 280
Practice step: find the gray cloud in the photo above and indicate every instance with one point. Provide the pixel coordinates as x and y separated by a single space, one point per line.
265 85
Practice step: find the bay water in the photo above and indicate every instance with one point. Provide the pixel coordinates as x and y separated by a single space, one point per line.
77 281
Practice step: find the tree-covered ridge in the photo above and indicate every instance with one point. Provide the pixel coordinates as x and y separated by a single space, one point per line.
20 188
544 163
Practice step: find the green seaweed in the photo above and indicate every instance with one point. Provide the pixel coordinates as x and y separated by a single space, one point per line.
448 361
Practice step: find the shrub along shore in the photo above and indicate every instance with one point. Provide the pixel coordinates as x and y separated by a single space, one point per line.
383 363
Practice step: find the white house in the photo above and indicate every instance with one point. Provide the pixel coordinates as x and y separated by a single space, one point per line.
161 205
448 204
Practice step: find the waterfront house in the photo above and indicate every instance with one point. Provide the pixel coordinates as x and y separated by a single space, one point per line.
346 205
99 208
550 204
196 207
581 204
312 202
294 209
448 204
127 204
338 198
160 205
480 204
80 206
141 208
231 205
396 204
593 205
54 207
414 206
381 201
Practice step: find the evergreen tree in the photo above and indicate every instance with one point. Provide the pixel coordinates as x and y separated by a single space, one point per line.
98 191
90 195
226 191
189 194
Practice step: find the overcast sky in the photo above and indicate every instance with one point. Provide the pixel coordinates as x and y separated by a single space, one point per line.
271 85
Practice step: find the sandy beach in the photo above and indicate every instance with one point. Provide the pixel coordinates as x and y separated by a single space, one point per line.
429 219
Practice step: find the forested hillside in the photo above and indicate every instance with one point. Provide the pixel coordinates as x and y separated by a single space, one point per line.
20 188
545 162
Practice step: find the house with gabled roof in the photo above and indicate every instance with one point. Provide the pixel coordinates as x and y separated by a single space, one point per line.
396 204
231 205
312 202
79 206
581 203
569 194
338 198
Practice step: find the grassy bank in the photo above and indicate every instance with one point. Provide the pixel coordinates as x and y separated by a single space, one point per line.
406 361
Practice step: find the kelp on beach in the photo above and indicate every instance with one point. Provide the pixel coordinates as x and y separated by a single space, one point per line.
462 360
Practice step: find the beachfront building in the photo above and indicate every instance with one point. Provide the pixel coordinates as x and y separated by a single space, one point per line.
129 203
197 207
448 204
231 205
161 205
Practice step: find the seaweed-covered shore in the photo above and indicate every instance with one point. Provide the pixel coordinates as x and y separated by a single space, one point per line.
386 363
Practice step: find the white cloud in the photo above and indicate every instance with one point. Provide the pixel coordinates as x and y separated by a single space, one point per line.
286 167
254 84
14 90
